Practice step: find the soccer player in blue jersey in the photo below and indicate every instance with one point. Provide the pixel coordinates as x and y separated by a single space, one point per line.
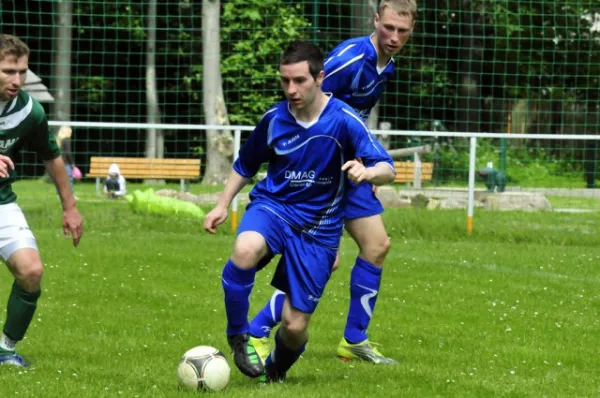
310 142
356 72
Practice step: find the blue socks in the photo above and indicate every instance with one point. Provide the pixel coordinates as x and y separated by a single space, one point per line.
282 357
268 317
364 287
237 286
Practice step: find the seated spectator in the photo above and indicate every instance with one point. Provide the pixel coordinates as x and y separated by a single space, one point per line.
114 185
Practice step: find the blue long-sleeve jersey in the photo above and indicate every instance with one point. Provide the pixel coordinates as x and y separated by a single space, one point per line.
305 185
351 74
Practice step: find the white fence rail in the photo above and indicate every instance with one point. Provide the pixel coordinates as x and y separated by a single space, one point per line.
237 129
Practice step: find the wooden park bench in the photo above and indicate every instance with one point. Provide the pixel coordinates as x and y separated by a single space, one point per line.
406 172
146 168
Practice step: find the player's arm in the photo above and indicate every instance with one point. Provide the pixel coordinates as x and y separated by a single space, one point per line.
58 173
253 153
234 185
379 174
72 223
66 152
42 141
376 165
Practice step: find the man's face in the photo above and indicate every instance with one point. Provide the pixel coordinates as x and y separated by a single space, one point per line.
299 86
13 71
392 31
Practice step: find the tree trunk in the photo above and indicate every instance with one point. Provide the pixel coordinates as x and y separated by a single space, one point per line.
62 61
469 111
154 137
219 143
154 140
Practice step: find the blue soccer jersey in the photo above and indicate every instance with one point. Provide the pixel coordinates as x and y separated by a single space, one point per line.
305 185
351 74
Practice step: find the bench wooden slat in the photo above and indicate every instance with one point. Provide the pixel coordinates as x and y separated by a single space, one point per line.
110 160
143 165
146 167
128 173
134 169
405 171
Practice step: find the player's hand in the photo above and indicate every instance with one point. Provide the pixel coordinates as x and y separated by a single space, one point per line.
356 171
6 164
336 264
214 218
72 225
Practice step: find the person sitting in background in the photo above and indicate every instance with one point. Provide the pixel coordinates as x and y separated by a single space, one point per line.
63 139
114 185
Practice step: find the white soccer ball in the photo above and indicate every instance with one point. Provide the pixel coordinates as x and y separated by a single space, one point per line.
203 368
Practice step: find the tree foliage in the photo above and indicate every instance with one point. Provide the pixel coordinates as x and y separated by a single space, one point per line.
254 32
543 51
541 55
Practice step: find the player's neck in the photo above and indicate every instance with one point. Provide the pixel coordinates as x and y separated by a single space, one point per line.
313 111
382 58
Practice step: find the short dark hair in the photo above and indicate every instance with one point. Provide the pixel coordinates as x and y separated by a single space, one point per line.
12 45
300 51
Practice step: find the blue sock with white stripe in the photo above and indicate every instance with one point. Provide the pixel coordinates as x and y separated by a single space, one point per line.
364 287
268 317
237 286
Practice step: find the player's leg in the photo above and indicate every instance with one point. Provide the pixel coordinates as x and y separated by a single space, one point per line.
258 233
19 250
302 256
290 342
261 325
365 225
268 318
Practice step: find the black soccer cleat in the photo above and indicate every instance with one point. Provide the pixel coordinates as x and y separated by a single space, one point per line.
272 375
245 356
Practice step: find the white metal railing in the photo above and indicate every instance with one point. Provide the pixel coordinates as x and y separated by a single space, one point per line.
237 129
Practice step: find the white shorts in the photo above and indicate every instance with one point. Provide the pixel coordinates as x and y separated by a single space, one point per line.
14 231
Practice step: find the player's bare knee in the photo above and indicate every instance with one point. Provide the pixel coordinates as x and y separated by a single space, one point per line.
29 275
248 250
375 251
386 245
295 326
245 254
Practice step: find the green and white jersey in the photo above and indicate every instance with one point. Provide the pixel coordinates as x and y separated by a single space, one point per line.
23 123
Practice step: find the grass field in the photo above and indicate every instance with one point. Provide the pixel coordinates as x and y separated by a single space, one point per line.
511 311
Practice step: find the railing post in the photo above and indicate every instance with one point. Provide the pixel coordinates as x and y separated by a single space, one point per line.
471 202
237 138
417 171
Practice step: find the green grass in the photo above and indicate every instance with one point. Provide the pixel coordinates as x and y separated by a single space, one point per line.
510 311
574 202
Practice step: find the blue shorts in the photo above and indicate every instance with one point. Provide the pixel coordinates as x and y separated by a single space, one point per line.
305 265
361 202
